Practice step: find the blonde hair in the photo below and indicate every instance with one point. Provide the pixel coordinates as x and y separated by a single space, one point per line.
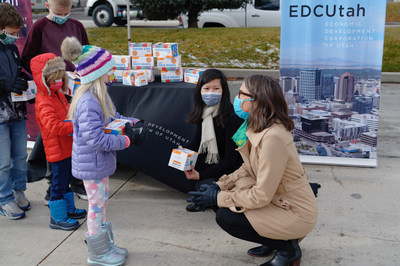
99 90
60 3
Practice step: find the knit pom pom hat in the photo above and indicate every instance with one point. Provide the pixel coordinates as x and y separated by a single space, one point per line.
91 62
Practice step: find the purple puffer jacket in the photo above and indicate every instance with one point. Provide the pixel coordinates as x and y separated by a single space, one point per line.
93 151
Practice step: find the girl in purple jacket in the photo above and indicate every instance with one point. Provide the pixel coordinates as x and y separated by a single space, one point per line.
93 151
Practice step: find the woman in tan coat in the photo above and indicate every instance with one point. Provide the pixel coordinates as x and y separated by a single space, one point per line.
268 200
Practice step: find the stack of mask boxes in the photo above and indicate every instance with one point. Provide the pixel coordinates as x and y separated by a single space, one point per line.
168 61
192 75
122 63
142 59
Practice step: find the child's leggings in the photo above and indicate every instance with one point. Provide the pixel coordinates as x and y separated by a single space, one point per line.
97 192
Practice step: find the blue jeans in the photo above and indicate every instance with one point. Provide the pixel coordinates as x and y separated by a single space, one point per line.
13 169
61 177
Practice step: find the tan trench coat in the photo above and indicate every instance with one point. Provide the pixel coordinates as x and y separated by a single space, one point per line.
271 186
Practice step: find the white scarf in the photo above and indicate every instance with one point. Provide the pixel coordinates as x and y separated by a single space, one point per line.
208 141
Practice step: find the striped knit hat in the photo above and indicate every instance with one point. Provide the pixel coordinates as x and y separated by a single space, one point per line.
91 62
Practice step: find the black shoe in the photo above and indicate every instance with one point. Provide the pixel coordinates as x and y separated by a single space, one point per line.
260 251
290 254
191 208
47 197
79 190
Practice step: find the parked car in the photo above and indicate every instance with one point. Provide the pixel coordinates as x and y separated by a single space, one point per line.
260 13
107 12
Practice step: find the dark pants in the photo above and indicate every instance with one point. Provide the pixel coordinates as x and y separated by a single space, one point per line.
237 225
61 177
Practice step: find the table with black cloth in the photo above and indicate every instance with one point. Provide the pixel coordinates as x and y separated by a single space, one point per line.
165 108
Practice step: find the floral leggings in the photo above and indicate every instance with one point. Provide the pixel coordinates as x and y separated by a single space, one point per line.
97 192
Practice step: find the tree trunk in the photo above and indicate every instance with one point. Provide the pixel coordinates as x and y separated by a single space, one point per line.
192 20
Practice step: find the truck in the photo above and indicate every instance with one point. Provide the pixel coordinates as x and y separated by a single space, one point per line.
258 13
107 12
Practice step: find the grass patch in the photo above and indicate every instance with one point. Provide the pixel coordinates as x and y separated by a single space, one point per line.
247 48
393 12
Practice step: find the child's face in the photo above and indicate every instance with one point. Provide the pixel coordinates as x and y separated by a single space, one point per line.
108 77
9 35
11 30
57 10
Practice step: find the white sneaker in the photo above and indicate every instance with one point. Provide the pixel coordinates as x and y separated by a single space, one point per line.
11 210
21 200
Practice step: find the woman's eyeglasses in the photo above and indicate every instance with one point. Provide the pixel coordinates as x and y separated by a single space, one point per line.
241 93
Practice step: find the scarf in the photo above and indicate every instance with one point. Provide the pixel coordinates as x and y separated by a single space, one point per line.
208 141
240 136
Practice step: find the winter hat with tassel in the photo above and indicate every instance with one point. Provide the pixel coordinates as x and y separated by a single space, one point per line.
91 62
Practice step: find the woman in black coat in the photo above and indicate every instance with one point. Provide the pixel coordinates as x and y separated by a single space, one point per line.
216 124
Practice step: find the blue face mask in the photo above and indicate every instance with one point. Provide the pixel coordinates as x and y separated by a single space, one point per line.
7 39
237 106
211 98
59 19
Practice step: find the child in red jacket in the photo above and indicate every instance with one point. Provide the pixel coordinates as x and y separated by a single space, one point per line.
51 109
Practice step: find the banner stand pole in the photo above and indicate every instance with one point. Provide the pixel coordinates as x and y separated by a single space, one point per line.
128 11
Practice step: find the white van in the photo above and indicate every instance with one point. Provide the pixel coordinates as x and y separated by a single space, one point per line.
259 13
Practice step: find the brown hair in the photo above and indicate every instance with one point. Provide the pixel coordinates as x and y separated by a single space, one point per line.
269 105
9 16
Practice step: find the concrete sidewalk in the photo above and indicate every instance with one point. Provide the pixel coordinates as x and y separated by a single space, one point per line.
359 218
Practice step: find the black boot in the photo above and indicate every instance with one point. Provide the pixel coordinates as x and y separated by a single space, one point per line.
260 251
288 255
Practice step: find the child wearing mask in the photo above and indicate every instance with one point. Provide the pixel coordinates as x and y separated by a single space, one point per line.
46 36
94 152
216 124
51 109
13 202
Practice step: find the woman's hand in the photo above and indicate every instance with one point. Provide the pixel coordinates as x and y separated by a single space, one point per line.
180 147
192 174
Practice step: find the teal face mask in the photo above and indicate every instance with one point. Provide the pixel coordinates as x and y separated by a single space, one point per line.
60 20
8 39
237 106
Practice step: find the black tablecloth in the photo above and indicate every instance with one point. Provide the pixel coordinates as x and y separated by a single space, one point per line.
164 107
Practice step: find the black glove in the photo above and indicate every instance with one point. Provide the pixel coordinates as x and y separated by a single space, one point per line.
213 186
137 134
19 86
315 187
204 199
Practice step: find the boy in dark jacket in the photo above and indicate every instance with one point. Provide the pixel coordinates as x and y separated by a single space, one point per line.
13 202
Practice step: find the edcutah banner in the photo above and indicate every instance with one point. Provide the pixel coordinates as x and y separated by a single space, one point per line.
330 67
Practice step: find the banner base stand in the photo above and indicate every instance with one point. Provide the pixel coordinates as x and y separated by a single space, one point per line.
339 161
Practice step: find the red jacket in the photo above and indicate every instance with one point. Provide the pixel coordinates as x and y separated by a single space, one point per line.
51 110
